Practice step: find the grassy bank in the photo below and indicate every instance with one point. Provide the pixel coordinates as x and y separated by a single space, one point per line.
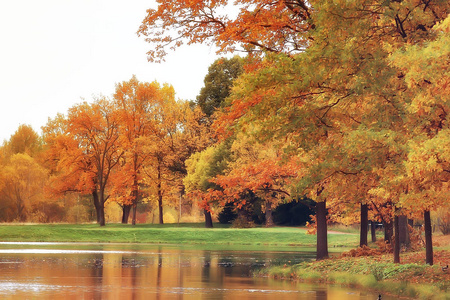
171 234
412 278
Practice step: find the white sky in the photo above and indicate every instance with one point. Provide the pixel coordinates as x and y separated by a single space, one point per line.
55 53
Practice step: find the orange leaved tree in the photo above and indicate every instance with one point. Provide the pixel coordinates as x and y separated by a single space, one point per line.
249 25
166 146
83 149
136 104
257 168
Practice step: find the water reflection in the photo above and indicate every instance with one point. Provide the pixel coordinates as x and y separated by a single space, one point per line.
149 272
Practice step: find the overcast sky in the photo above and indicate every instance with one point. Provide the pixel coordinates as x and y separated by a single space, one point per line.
55 53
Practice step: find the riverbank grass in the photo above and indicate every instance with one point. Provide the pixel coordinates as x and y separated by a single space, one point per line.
413 278
179 234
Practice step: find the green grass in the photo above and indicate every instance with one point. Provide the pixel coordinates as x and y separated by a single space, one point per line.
180 234
369 273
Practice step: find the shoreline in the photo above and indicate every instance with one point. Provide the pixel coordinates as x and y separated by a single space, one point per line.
412 278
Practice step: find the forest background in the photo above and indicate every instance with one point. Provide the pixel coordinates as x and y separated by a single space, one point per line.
340 105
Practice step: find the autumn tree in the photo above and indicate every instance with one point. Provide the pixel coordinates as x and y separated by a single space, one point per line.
338 97
259 169
327 72
84 148
425 69
25 140
202 167
168 144
22 186
136 103
22 178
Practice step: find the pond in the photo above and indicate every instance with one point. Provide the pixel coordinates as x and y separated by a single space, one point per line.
136 271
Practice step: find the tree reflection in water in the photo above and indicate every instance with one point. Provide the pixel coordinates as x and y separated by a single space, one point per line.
151 272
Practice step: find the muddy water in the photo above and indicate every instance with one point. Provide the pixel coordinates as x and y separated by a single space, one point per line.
116 271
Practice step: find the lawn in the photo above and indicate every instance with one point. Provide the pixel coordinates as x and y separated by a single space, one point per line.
179 234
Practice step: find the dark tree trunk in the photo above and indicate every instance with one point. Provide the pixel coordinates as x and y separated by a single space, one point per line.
428 238
135 200
388 231
101 215
403 230
322 238
160 197
125 213
208 219
160 208
96 204
397 241
133 218
269 218
364 225
373 231
99 208
135 192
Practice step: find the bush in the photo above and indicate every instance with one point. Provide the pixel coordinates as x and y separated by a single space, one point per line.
77 214
242 222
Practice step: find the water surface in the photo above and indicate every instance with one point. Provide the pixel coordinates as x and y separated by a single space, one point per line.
128 271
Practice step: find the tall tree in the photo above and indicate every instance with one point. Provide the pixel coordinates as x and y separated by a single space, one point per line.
135 102
426 71
85 148
162 146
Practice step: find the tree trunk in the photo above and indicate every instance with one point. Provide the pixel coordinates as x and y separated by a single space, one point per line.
160 207
135 192
397 241
99 208
269 217
133 217
208 219
364 225
388 231
428 238
322 238
403 230
135 200
101 215
373 231
125 213
160 197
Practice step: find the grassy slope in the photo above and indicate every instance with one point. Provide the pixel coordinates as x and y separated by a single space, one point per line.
169 234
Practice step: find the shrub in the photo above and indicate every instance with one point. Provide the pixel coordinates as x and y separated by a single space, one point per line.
242 222
77 214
